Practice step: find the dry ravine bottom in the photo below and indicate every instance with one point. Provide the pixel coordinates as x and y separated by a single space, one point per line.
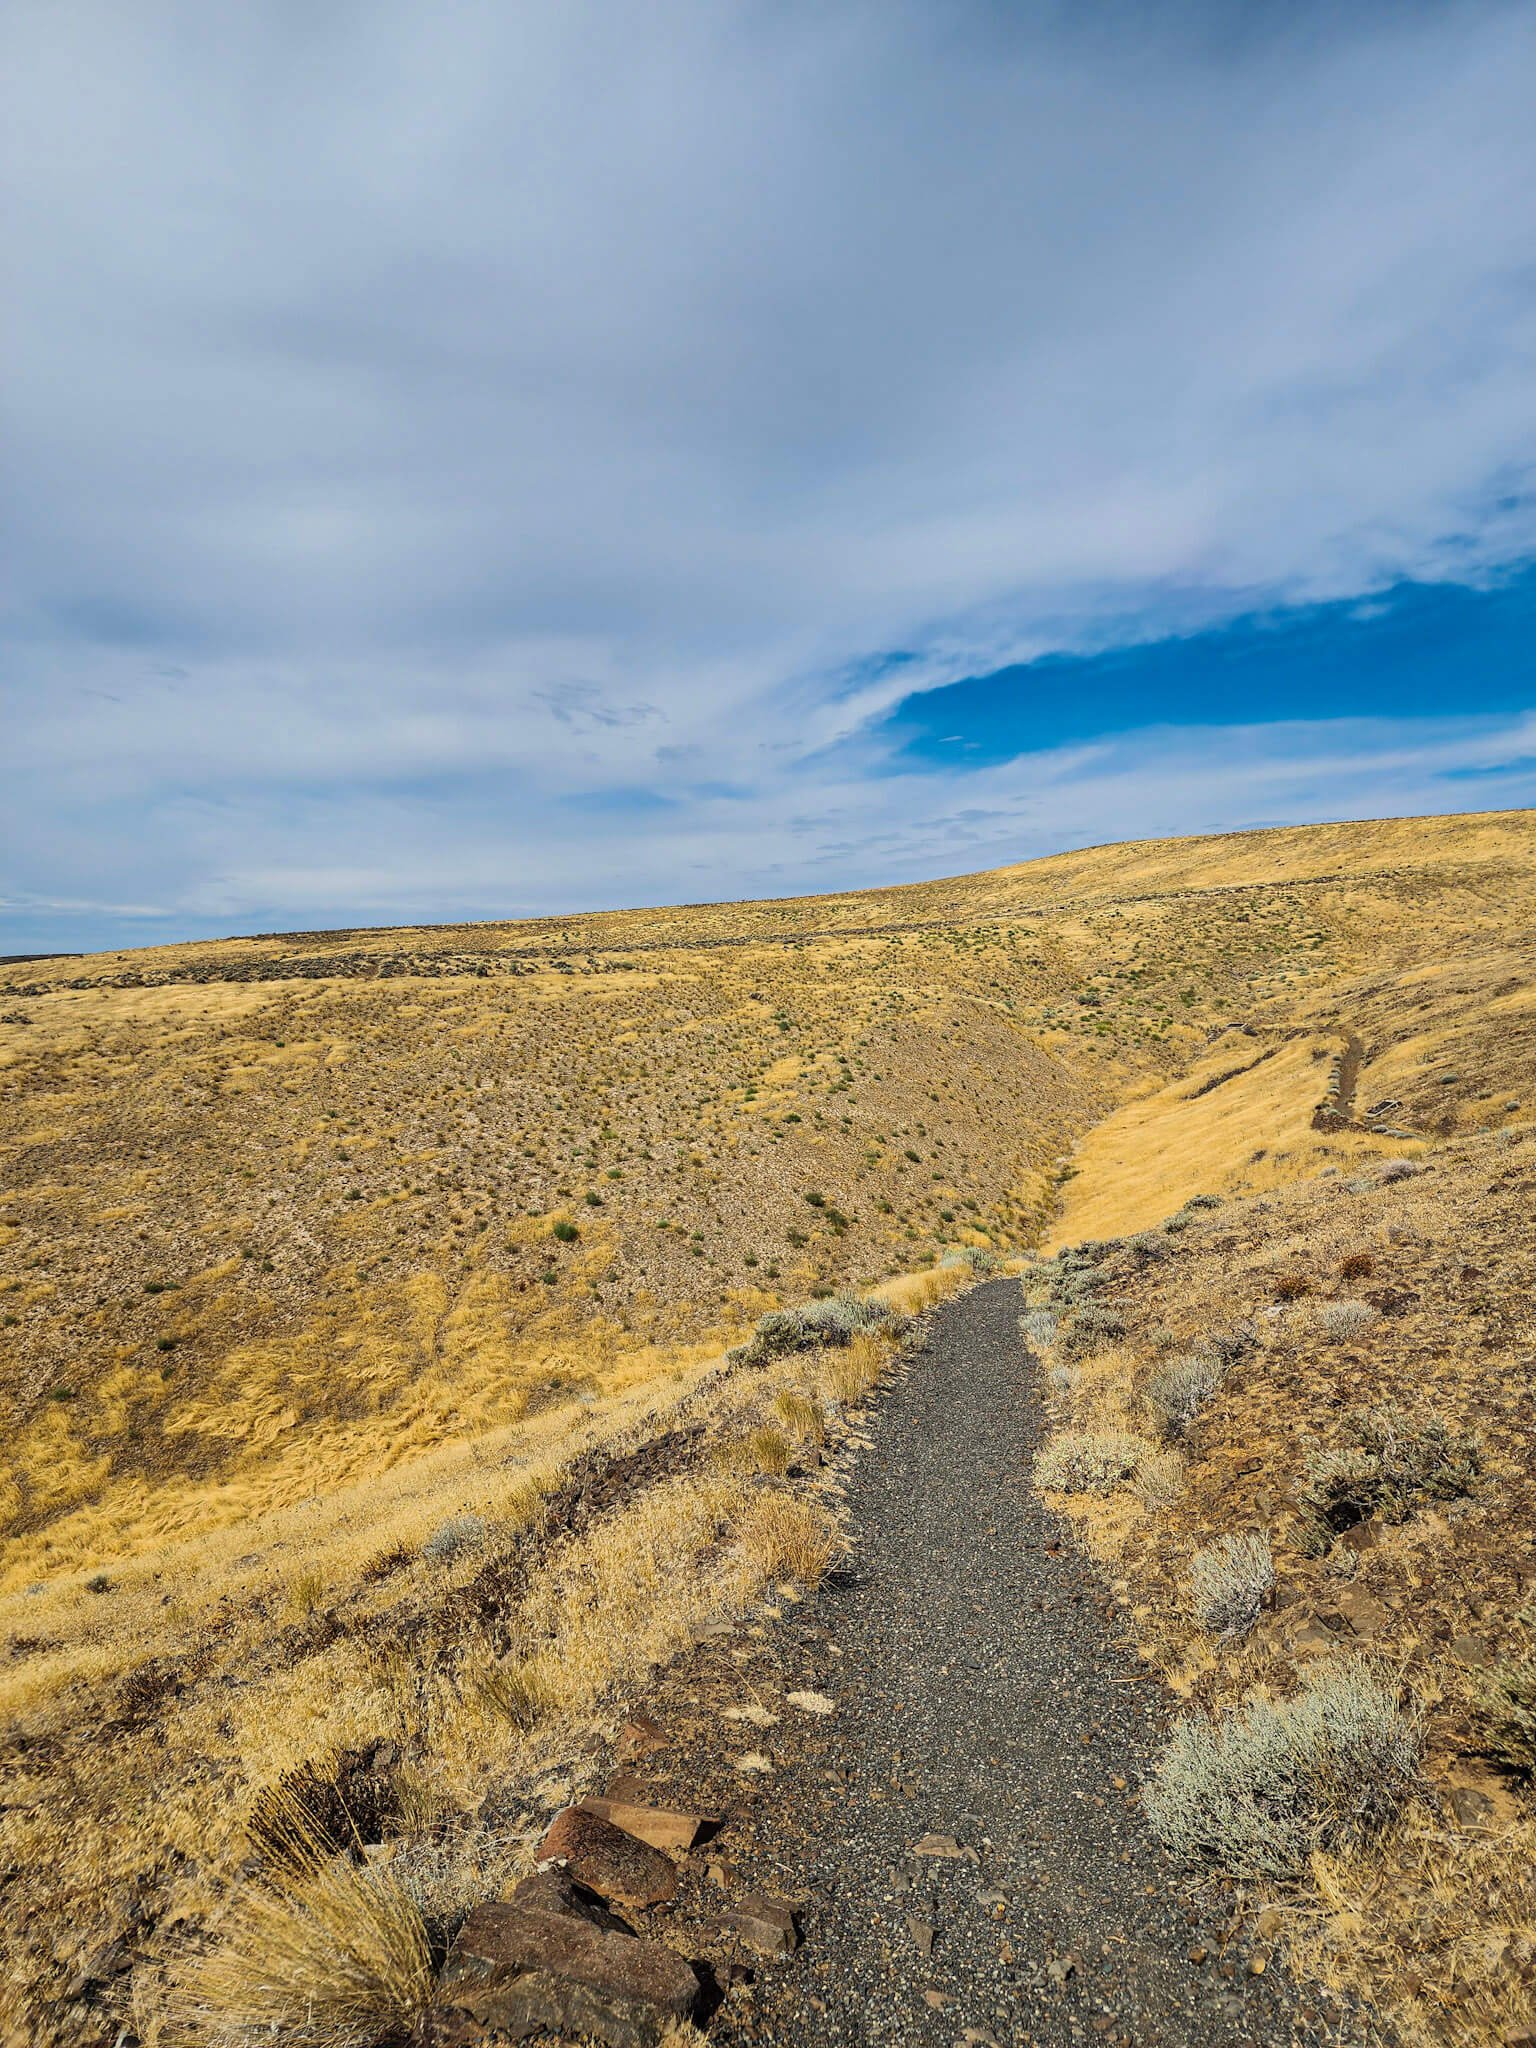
947 1465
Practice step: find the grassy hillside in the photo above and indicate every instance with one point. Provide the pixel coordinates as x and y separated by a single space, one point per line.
316 1245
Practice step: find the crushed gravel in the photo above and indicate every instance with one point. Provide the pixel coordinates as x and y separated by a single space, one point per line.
983 1695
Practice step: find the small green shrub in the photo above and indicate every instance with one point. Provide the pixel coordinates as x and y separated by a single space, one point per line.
1256 1789
1088 1461
565 1231
1229 1582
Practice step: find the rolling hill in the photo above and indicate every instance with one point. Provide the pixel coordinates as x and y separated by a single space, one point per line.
317 1248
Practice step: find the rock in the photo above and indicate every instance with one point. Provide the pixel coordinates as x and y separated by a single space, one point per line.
1471 1650
922 1932
640 1737
1361 1612
625 1785
550 1960
943 1846
557 1891
663 1827
608 1861
1471 1807
936 1999
765 1924
1313 1640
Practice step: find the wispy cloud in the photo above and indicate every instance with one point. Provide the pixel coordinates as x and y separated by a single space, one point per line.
422 416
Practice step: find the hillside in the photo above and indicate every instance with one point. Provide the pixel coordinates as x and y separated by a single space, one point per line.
317 1245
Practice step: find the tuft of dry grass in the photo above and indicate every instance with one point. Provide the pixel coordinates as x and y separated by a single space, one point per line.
800 1415
323 1952
848 1375
790 1540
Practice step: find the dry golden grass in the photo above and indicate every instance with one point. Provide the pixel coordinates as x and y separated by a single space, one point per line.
325 1954
284 1302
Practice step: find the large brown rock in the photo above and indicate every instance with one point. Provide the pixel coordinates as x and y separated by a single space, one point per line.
608 1861
553 1959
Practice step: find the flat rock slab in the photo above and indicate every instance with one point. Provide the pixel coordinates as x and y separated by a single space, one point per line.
548 1961
664 1827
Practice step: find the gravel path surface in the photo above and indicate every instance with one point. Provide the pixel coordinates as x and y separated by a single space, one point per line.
981 1695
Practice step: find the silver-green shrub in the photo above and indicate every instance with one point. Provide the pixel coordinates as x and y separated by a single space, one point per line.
459 1533
1345 1319
1037 1326
814 1326
1229 1582
1177 1392
1257 1789
1390 1462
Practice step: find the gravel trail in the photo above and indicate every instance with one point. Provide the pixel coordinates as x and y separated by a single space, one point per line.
981 1694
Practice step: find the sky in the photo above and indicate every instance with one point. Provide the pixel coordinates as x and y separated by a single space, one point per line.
489 460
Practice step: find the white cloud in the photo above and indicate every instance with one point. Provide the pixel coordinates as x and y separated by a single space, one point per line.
582 395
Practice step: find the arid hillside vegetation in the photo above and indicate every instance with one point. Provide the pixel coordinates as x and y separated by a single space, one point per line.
316 1248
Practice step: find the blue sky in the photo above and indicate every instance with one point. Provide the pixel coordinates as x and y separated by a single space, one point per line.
1414 652
495 460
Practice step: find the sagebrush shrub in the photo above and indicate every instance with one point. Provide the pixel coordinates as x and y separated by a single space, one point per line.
1229 1582
1256 1789
1177 1392
1389 1463
458 1534
1037 1326
1345 1319
1148 1247
1088 1461
1091 1329
815 1325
